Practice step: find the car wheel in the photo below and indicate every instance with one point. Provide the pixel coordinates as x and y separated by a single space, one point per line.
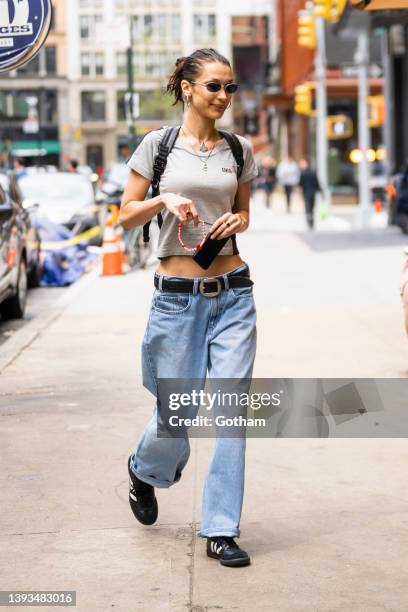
34 276
14 307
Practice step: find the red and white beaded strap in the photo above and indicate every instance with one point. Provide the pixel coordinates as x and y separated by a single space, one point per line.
198 245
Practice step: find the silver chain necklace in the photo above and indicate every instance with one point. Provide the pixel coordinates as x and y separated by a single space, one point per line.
205 159
203 147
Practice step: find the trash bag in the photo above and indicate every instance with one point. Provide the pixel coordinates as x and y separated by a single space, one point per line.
61 265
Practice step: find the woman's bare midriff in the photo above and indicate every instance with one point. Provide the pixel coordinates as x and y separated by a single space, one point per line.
184 266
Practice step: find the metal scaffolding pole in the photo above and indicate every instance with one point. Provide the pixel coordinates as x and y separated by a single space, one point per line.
389 105
130 88
321 107
362 60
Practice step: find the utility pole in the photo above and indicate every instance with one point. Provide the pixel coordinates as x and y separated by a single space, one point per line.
389 105
321 107
362 61
130 91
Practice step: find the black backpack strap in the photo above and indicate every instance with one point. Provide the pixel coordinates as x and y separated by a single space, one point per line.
236 148
160 161
238 153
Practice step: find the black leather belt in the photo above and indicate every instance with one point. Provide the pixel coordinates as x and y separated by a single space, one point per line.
209 287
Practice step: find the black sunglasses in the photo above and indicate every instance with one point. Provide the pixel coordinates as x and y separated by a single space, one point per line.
230 88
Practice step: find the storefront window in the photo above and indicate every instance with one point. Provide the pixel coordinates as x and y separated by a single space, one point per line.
93 104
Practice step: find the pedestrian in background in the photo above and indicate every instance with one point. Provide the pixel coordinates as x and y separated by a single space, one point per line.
124 153
20 168
288 176
267 178
73 166
309 184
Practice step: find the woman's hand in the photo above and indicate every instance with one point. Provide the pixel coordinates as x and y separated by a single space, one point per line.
181 207
227 225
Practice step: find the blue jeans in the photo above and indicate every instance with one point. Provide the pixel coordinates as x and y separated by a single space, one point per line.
186 335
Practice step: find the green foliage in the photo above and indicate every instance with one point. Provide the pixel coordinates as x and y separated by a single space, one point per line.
156 105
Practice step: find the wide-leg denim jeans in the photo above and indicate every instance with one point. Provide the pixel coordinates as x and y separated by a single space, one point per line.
187 335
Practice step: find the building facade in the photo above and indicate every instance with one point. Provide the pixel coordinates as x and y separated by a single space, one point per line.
98 35
394 24
297 66
39 90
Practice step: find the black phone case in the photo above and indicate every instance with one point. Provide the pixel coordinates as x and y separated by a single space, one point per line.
209 250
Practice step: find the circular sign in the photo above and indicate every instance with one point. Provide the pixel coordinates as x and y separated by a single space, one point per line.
24 26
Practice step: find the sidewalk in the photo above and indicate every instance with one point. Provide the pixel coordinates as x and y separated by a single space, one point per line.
331 307
324 520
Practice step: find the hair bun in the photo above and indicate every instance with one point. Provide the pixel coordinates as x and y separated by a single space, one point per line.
180 61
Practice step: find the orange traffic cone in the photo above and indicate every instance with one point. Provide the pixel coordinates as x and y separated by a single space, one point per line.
119 238
378 206
111 252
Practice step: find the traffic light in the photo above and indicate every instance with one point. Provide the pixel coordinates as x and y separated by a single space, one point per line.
331 10
337 9
339 127
304 100
376 111
306 30
322 8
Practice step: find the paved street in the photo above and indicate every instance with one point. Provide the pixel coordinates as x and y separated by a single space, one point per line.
325 520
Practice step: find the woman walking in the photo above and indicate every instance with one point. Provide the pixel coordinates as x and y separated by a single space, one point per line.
195 325
288 176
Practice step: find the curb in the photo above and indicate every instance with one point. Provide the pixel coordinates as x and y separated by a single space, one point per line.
23 337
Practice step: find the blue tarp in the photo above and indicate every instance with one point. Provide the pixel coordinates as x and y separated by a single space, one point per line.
61 266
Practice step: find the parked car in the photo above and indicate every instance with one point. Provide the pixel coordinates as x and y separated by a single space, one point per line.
20 249
40 169
114 182
9 181
65 198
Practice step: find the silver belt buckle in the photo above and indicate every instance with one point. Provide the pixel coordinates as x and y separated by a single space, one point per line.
212 280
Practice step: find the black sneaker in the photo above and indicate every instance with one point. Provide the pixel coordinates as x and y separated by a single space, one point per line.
227 551
142 499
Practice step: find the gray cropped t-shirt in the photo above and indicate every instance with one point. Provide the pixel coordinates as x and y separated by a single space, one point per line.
212 192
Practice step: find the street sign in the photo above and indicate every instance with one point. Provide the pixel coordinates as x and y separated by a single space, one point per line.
131 116
24 26
32 124
351 72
